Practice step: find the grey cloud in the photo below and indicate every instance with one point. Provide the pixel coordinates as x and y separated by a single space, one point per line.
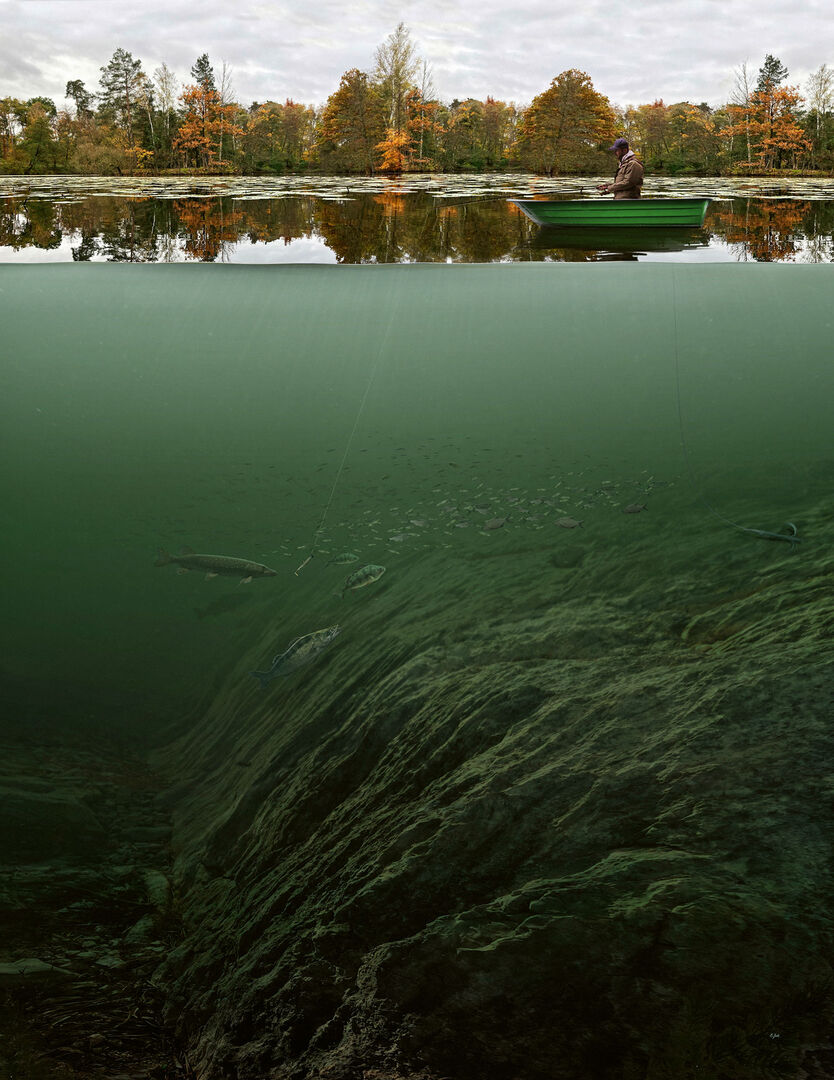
687 50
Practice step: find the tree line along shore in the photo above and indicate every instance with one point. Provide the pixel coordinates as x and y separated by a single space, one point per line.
390 120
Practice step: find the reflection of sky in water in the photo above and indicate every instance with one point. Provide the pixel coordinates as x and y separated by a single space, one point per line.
305 249
314 249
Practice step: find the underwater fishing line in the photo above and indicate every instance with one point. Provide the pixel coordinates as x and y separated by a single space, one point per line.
763 534
374 366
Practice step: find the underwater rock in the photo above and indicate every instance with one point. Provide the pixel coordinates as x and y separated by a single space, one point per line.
157 889
526 826
31 970
141 931
38 823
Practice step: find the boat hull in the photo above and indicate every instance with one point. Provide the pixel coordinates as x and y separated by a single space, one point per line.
618 213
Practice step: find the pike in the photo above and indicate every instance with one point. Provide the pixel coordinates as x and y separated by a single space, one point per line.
215 565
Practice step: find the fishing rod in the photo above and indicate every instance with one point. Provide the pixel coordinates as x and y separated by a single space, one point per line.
320 527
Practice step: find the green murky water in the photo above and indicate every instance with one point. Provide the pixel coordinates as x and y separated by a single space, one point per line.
229 409
577 666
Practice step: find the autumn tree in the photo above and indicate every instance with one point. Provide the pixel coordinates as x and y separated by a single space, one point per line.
204 119
698 136
499 122
772 122
422 108
394 151
650 130
352 124
464 135
12 122
297 137
261 140
396 67
565 125
424 128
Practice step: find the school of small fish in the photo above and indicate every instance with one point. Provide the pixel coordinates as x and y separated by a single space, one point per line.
438 505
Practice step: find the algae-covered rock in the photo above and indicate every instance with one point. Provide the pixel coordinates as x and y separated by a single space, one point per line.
585 836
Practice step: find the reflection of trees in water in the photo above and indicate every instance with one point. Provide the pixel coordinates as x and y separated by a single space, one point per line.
28 222
208 227
770 230
375 227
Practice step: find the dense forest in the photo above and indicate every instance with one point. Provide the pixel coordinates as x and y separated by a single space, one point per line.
390 120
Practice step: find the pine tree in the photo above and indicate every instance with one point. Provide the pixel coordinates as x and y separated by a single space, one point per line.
78 93
771 74
203 73
121 82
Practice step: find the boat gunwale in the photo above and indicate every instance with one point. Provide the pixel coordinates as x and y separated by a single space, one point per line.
616 213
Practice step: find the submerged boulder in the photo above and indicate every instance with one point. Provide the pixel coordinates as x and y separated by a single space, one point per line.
566 838
39 821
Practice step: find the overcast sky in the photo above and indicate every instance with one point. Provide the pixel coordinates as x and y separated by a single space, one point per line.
634 51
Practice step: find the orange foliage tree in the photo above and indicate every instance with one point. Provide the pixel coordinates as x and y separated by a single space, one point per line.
395 150
205 122
565 124
499 121
352 124
423 124
770 117
649 128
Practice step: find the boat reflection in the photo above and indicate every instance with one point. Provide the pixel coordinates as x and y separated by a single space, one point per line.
613 244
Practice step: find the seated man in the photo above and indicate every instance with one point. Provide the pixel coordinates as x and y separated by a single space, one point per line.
629 176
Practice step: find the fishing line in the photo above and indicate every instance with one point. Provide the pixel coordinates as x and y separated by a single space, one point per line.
791 538
375 365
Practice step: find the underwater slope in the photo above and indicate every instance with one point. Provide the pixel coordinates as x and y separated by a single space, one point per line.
556 800
544 811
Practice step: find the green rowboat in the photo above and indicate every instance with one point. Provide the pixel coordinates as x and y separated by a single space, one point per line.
634 213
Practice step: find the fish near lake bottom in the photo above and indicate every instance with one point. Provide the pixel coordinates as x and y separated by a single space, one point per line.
303 651
214 565
343 558
365 575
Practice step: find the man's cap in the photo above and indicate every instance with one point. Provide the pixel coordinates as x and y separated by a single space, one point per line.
619 144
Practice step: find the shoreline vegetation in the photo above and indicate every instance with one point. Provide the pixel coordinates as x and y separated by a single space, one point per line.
390 121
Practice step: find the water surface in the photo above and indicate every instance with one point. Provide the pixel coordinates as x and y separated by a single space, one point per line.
413 219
